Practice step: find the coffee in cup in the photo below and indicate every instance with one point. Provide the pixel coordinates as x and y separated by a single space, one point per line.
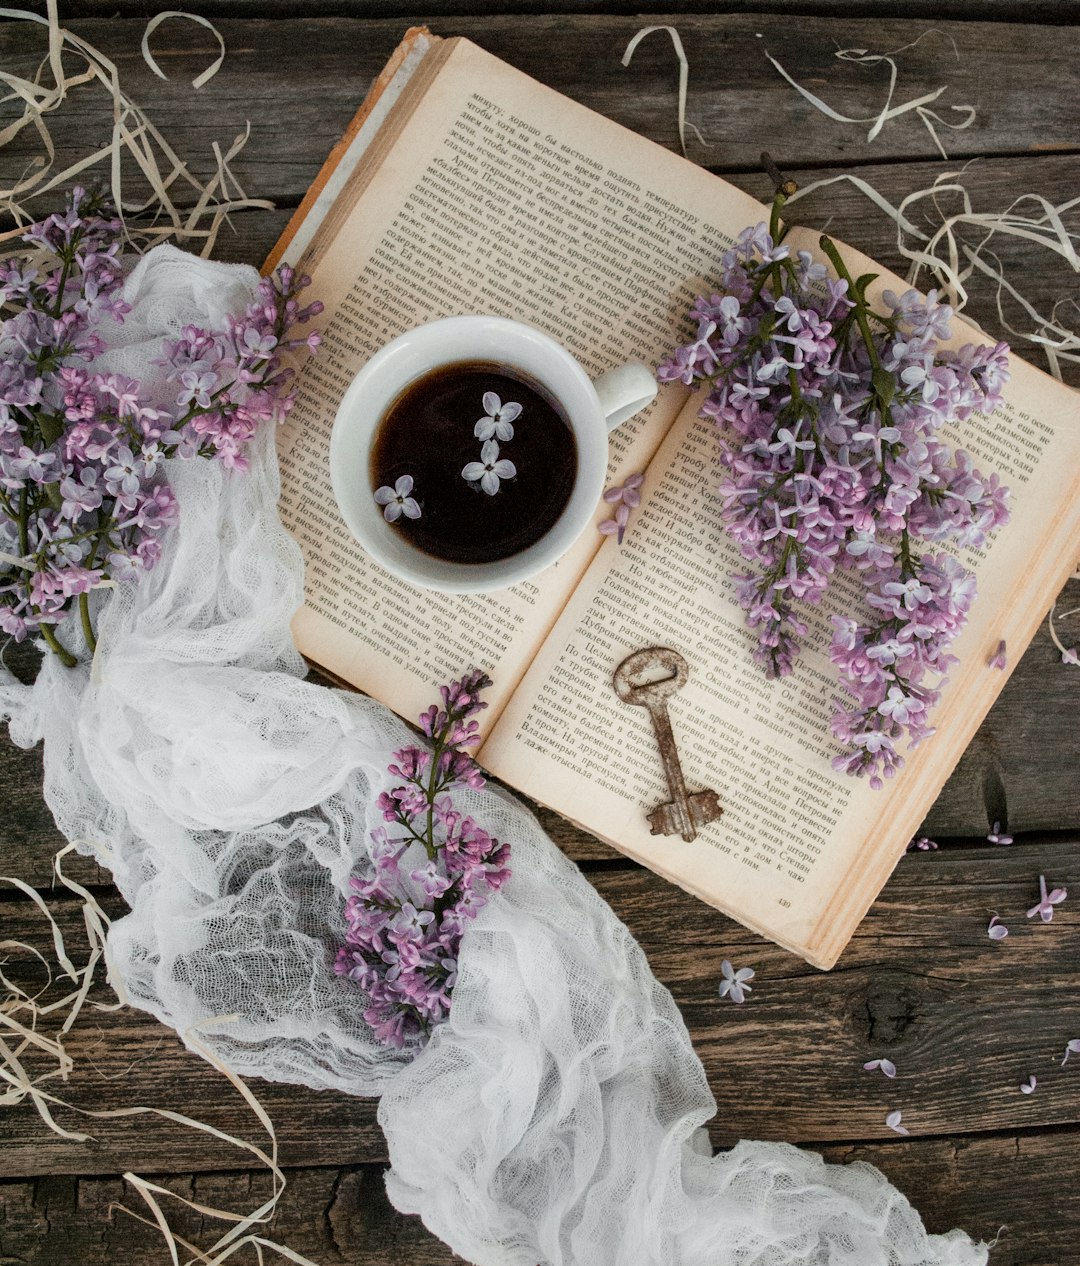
488 456
371 441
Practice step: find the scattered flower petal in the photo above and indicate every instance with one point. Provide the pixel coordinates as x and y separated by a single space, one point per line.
1071 1048
1070 656
998 836
1028 1087
999 658
886 1066
893 1122
1044 908
996 930
734 983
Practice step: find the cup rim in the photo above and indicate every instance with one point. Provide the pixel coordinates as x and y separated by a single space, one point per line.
409 357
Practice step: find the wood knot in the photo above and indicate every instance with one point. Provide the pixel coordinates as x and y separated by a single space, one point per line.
887 1011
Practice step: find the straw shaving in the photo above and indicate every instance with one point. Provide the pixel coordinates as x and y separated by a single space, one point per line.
684 76
888 111
177 205
21 1017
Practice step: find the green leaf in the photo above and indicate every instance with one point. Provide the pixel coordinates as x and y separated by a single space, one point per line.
50 426
884 386
862 282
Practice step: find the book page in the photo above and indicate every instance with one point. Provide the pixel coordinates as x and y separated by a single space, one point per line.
489 194
800 851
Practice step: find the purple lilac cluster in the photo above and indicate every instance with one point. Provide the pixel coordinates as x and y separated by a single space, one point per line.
83 494
434 870
829 417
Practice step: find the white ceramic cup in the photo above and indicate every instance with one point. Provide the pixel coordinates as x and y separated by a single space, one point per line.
592 406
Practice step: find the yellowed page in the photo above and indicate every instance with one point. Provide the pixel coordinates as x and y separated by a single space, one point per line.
492 194
801 851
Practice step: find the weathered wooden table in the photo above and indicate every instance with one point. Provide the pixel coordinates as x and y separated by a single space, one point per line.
966 1020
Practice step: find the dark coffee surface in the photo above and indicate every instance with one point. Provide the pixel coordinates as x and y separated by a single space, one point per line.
428 433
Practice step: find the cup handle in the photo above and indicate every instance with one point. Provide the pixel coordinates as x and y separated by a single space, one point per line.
625 391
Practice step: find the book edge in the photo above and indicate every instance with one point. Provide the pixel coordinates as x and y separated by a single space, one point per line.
413 38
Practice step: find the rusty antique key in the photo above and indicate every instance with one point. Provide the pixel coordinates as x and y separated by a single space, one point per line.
637 683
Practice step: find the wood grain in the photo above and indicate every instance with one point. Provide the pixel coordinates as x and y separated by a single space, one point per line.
342 1217
964 1019
1030 11
737 98
336 1217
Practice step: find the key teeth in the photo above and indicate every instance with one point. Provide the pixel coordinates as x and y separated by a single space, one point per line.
704 807
660 822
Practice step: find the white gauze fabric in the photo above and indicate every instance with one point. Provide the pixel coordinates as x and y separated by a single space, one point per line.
557 1116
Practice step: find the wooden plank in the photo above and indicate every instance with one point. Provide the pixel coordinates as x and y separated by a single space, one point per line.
964 1019
1031 11
336 1217
1022 1186
342 1217
299 81
920 983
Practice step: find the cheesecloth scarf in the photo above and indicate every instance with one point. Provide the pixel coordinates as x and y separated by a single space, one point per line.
557 1116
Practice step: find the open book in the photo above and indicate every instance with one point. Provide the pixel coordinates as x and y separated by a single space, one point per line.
465 186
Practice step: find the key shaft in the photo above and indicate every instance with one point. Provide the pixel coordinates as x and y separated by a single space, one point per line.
665 739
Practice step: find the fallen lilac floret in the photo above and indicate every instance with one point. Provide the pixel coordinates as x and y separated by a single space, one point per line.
735 983
886 1066
999 658
996 930
1044 907
1028 1087
397 501
922 844
625 497
1071 1048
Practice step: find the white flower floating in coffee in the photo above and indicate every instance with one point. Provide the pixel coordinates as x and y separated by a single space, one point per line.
396 501
490 469
498 419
